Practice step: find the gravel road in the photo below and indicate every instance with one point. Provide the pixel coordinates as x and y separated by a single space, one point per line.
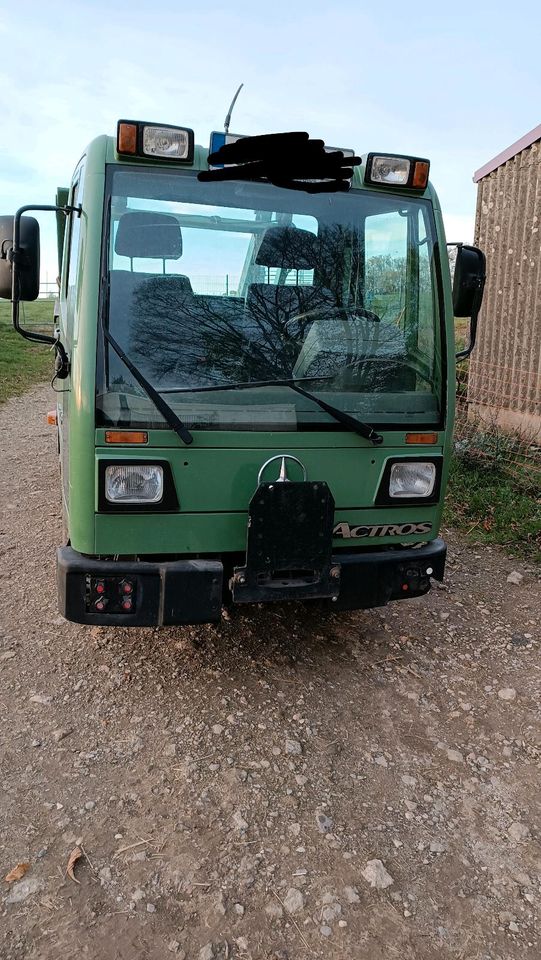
288 784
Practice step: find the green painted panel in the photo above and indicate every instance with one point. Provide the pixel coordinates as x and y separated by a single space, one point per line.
225 480
225 533
275 440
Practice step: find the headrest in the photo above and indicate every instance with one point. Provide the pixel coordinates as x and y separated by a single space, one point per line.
154 236
159 286
288 248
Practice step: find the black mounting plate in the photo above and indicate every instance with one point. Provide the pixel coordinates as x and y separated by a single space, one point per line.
288 554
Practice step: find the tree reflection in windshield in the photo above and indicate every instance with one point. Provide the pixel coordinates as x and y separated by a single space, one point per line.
333 287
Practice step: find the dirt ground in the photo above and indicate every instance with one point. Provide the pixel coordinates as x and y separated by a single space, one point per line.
230 786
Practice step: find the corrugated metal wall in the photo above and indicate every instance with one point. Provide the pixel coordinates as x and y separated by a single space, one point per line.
505 369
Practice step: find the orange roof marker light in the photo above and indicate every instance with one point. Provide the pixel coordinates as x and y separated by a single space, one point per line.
420 174
421 438
135 138
394 170
126 436
126 138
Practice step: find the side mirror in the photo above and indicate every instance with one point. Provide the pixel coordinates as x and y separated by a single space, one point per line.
28 258
468 286
469 281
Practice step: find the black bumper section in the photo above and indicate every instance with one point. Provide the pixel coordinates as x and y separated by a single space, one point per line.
190 591
177 591
373 579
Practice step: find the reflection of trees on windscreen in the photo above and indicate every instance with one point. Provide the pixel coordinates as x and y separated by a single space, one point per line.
180 338
203 340
170 335
386 283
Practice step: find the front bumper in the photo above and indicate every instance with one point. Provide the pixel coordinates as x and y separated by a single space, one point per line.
374 578
175 591
191 591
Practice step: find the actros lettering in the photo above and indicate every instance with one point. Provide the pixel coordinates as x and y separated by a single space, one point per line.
346 531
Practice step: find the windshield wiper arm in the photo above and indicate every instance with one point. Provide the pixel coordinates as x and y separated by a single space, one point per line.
167 413
362 429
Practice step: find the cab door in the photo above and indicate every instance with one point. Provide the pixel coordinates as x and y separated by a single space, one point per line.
67 322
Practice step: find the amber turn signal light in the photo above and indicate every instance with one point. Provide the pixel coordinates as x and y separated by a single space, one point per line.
420 175
421 438
126 436
52 418
126 138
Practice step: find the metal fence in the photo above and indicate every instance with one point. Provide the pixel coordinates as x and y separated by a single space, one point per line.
480 437
48 289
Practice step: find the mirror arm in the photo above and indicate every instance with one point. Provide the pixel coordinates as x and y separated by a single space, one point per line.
463 354
62 365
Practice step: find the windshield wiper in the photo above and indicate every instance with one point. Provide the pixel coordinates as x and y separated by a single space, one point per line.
167 413
362 429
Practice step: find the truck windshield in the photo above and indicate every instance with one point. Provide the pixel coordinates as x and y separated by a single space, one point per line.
213 284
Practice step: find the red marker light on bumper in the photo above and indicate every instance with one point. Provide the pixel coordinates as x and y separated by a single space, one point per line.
111 595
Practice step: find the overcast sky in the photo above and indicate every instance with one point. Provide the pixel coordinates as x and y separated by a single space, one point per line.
455 82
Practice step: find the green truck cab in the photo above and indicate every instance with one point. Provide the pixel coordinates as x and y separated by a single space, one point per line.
256 383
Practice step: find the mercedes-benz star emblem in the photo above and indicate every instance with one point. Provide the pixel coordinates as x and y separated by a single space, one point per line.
282 476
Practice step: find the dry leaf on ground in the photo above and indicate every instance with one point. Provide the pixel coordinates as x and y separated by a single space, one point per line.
75 855
17 872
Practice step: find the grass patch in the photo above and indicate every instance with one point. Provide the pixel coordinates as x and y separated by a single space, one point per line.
23 363
491 507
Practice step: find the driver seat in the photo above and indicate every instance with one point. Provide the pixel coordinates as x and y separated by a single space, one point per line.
270 307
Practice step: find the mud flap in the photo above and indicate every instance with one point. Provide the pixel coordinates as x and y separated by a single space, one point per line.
288 554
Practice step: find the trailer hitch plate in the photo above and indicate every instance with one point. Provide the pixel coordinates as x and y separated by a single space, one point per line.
289 545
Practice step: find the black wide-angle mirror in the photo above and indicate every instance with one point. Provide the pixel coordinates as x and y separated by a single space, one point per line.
468 281
28 264
468 270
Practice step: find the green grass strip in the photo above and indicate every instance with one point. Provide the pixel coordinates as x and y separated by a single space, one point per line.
491 507
23 363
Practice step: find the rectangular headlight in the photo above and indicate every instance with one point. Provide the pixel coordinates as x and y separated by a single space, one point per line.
134 483
173 143
160 140
412 479
391 170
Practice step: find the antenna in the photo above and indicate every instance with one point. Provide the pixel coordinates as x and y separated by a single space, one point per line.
227 120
